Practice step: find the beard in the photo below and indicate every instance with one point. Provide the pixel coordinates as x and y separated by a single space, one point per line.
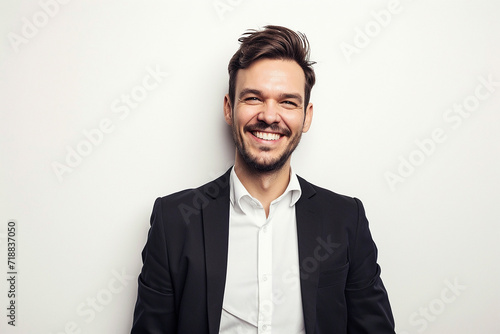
268 165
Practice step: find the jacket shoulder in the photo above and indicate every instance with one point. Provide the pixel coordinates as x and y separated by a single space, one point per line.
197 198
311 190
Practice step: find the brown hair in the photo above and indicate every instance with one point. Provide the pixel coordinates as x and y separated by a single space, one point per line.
274 42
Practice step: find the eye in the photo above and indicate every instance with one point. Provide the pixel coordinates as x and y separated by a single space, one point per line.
252 100
289 104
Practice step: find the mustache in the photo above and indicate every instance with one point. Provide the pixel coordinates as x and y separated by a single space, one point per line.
263 126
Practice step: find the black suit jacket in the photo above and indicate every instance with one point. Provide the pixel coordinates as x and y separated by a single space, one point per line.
181 285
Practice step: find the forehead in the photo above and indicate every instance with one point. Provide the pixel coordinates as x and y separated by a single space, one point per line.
272 76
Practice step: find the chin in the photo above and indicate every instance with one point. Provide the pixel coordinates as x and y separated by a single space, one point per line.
265 166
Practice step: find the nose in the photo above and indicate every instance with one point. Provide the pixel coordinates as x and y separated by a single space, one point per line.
269 113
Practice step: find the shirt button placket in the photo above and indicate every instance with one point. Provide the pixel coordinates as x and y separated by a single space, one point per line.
265 278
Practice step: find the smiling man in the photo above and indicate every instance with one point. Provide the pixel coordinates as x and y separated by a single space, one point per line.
261 250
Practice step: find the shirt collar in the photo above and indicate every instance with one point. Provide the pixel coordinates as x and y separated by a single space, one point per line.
238 190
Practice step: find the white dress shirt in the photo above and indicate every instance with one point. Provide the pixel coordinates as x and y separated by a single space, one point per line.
262 292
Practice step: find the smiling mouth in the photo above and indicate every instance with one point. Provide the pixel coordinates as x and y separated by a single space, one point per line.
266 135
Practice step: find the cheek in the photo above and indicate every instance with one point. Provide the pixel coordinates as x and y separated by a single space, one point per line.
294 122
243 116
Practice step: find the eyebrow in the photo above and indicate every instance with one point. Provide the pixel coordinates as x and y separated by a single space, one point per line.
247 91
291 96
259 93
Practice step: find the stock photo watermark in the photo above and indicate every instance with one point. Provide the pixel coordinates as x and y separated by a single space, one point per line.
430 312
94 137
31 26
363 36
222 7
324 249
88 309
453 117
200 200
12 272
322 252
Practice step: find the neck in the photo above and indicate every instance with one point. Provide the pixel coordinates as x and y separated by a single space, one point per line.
264 186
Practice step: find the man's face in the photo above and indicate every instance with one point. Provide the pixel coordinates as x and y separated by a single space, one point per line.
268 116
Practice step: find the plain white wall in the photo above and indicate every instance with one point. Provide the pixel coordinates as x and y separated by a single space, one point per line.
391 77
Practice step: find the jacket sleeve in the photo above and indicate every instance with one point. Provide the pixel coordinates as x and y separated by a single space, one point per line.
155 306
368 305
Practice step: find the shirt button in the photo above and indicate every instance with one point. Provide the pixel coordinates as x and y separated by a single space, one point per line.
264 327
264 278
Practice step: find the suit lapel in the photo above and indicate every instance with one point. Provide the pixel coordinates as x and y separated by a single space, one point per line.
308 230
216 232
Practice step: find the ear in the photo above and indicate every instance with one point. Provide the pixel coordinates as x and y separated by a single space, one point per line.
308 118
228 111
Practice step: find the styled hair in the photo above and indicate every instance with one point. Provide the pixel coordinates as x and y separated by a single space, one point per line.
273 42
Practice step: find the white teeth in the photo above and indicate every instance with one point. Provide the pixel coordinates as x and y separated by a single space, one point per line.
266 135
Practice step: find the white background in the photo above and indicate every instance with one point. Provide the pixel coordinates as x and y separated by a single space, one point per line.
435 226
